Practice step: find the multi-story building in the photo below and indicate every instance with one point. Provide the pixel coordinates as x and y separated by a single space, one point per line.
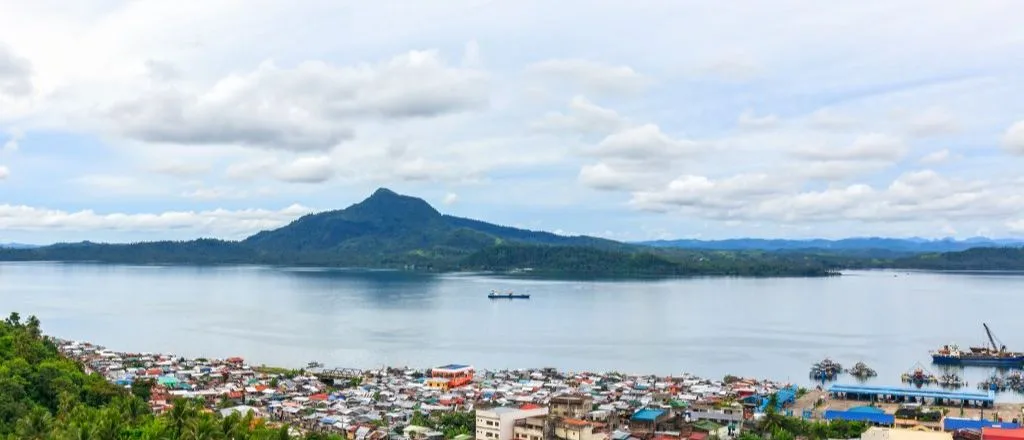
574 406
531 428
500 423
577 429
450 376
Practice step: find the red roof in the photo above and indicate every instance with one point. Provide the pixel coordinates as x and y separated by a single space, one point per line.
699 436
1001 434
529 406
318 397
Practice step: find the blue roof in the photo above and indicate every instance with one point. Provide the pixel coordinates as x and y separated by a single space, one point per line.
953 424
912 392
861 416
867 409
453 367
648 415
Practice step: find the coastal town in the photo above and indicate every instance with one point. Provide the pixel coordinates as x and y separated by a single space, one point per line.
535 404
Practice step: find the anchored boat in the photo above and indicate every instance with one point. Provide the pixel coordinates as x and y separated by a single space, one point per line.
995 355
507 295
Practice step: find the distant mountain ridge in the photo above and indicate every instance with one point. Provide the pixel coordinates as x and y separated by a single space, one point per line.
904 245
17 246
389 230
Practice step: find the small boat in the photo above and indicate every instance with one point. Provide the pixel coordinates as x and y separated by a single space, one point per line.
507 295
919 377
826 370
860 370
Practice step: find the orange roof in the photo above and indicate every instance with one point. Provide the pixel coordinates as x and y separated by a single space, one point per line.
318 397
575 422
1001 433
529 406
235 395
260 388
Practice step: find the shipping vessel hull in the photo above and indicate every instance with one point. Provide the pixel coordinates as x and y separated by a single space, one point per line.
980 361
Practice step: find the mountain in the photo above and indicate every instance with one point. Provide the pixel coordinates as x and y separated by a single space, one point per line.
17 246
389 230
884 246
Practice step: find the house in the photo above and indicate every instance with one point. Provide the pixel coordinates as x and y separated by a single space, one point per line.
647 420
710 428
450 376
531 428
578 429
499 423
573 406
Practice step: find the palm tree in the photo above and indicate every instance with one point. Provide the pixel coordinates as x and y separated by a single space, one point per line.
34 426
203 428
772 420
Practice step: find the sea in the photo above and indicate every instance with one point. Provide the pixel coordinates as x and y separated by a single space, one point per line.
773 328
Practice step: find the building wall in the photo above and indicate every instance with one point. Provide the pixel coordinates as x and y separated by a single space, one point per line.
500 425
578 433
876 433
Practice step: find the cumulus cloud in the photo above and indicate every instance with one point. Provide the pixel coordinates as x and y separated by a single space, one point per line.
592 76
911 196
643 143
750 121
11 144
936 157
583 117
306 170
1013 139
15 74
933 122
218 222
612 177
181 168
872 146
830 120
4 172
450 199
305 108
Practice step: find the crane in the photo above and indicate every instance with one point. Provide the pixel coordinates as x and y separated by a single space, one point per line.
992 339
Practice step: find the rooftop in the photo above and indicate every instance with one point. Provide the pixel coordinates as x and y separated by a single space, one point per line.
911 392
647 415
453 367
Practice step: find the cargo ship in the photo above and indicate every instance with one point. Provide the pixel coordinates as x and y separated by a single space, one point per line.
995 355
507 295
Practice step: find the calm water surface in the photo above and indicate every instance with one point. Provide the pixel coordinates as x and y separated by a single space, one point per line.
773 328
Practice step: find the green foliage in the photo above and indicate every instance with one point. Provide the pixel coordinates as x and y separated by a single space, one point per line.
995 258
451 424
46 396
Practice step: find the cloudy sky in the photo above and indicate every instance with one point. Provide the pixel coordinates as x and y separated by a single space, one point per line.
124 120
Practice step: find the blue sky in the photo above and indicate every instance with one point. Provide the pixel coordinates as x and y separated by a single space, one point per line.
127 120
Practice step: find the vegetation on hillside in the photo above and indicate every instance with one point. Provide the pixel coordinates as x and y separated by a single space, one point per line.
44 395
1001 258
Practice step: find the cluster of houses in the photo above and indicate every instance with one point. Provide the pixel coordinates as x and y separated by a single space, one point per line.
377 404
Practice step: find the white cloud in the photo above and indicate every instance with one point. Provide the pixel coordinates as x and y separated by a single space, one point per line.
643 143
933 122
450 199
750 121
4 172
215 193
306 170
110 184
936 157
583 117
306 108
830 120
605 176
911 196
181 168
11 144
218 222
873 146
737 66
595 77
1013 139
1016 225
15 74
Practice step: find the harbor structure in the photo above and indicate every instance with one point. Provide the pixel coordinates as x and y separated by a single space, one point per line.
994 355
939 397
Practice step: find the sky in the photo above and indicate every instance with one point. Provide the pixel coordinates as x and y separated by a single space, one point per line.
150 119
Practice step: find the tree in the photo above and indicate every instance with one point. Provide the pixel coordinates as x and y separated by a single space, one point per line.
143 388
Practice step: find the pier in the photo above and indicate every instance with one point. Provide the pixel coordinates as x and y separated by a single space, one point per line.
901 394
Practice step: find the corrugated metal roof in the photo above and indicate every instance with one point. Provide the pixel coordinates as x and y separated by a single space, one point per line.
953 424
912 392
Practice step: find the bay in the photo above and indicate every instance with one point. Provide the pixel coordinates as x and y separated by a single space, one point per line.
757 327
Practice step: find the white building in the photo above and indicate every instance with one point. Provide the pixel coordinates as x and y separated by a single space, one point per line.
499 423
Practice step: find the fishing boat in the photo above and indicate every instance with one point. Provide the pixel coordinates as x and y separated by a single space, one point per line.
994 355
951 380
919 376
507 295
826 370
860 370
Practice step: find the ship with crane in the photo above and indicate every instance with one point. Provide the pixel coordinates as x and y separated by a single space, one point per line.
994 355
